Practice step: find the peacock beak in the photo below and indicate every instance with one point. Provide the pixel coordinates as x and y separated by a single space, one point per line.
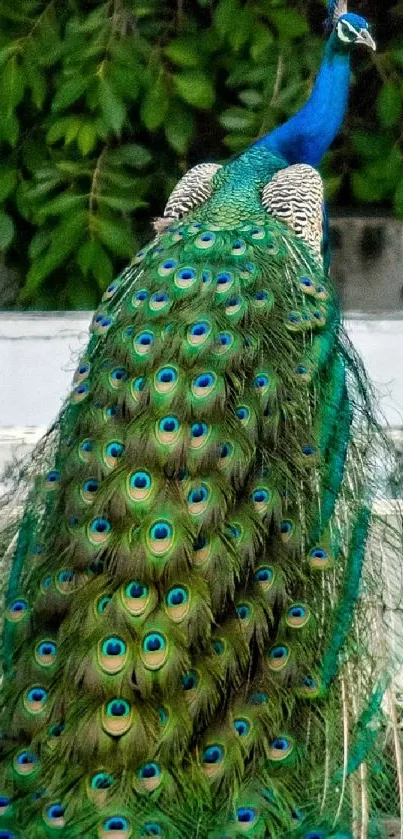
365 38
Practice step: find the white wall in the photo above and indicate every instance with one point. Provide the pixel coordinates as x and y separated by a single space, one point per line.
39 352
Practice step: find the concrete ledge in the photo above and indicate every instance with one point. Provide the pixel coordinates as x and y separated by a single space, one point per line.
39 352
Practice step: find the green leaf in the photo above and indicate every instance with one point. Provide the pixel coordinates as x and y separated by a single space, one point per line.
112 107
13 85
81 295
125 80
61 204
389 104
38 243
366 189
398 199
70 92
131 154
238 119
289 23
87 138
196 89
115 235
179 127
122 203
370 146
8 181
65 239
9 129
93 258
225 16
251 98
6 231
154 107
184 53
67 127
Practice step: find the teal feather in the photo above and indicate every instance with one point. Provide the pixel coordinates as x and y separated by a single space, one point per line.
176 649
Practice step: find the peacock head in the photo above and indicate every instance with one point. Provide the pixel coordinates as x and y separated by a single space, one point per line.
351 29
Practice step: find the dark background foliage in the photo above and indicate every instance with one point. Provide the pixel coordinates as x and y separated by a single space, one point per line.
105 103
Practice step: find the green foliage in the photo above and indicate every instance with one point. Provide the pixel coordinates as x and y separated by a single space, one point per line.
106 102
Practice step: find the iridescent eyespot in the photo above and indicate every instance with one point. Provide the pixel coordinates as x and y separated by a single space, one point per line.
264 576
56 730
297 616
110 291
114 646
104 324
114 825
160 537
245 815
152 829
243 414
258 698
101 781
113 452
205 240
161 530
149 770
185 278
25 763
203 384
207 277
118 708
167 267
213 754
143 342
224 281
218 646
100 525
198 333
169 424
199 435
280 748
136 590
154 650
35 699
103 603
140 485
286 528
243 611
238 247
54 815
166 379
80 392
177 603
189 681
163 715
261 382
117 377
17 610
307 285
197 499
233 305
89 489
225 339
139 297
242 727
257 233
159 301
278 657
45 653
82 372
86 447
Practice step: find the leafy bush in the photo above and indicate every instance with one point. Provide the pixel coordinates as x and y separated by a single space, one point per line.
106 102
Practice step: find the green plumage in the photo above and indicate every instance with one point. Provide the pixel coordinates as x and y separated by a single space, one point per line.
182 596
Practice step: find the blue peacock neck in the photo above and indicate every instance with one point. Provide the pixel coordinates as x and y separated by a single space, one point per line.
306 136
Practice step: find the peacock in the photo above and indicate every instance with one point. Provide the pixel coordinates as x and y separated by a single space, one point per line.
188 641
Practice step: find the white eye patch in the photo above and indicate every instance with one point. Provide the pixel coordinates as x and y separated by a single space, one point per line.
346 32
